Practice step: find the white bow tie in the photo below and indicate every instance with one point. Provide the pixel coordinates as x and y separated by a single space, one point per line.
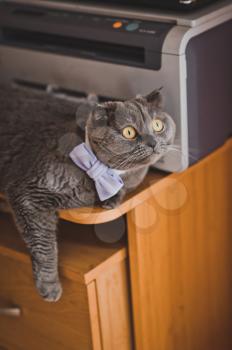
107 181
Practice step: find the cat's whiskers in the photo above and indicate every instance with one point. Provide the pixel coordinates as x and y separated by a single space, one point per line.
177 148
128 160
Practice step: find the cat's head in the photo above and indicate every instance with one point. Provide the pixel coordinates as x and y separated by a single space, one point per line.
126 135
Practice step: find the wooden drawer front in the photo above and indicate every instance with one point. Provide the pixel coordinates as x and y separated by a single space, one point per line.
110 309
92 316
42 325
94 310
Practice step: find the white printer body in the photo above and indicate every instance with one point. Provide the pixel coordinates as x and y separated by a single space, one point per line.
119 53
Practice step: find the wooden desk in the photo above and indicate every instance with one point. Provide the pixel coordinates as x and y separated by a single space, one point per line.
180 249
180 252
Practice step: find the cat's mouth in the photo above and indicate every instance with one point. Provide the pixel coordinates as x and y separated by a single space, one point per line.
149 159
155 155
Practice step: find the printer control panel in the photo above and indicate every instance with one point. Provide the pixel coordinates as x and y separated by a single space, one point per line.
89 20
117 40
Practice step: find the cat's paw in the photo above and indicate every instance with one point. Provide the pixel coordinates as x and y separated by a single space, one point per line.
112 203
49 291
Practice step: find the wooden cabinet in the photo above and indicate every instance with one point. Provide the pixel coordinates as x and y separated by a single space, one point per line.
180 252
180 247
94 311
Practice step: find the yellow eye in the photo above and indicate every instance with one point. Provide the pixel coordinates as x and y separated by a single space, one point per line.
129 132
158 125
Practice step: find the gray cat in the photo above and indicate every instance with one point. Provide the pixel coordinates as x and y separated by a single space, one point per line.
37 176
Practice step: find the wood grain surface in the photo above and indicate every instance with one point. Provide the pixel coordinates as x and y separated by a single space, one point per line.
93 215
99 215
180 248
94 312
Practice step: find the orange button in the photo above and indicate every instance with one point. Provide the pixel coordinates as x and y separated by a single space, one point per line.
117 24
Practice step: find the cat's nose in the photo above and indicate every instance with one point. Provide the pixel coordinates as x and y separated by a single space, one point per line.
150 141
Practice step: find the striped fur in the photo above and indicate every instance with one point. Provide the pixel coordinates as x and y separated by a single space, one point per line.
37 133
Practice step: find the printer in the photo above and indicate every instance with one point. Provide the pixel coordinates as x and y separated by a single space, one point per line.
118 51
182 5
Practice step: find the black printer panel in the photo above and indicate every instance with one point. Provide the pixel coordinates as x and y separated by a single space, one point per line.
183 5
104 38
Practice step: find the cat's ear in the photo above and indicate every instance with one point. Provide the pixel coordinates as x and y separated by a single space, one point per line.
99 116
103 113
153 100
155 97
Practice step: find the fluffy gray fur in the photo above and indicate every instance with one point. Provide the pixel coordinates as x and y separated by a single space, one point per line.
37 133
